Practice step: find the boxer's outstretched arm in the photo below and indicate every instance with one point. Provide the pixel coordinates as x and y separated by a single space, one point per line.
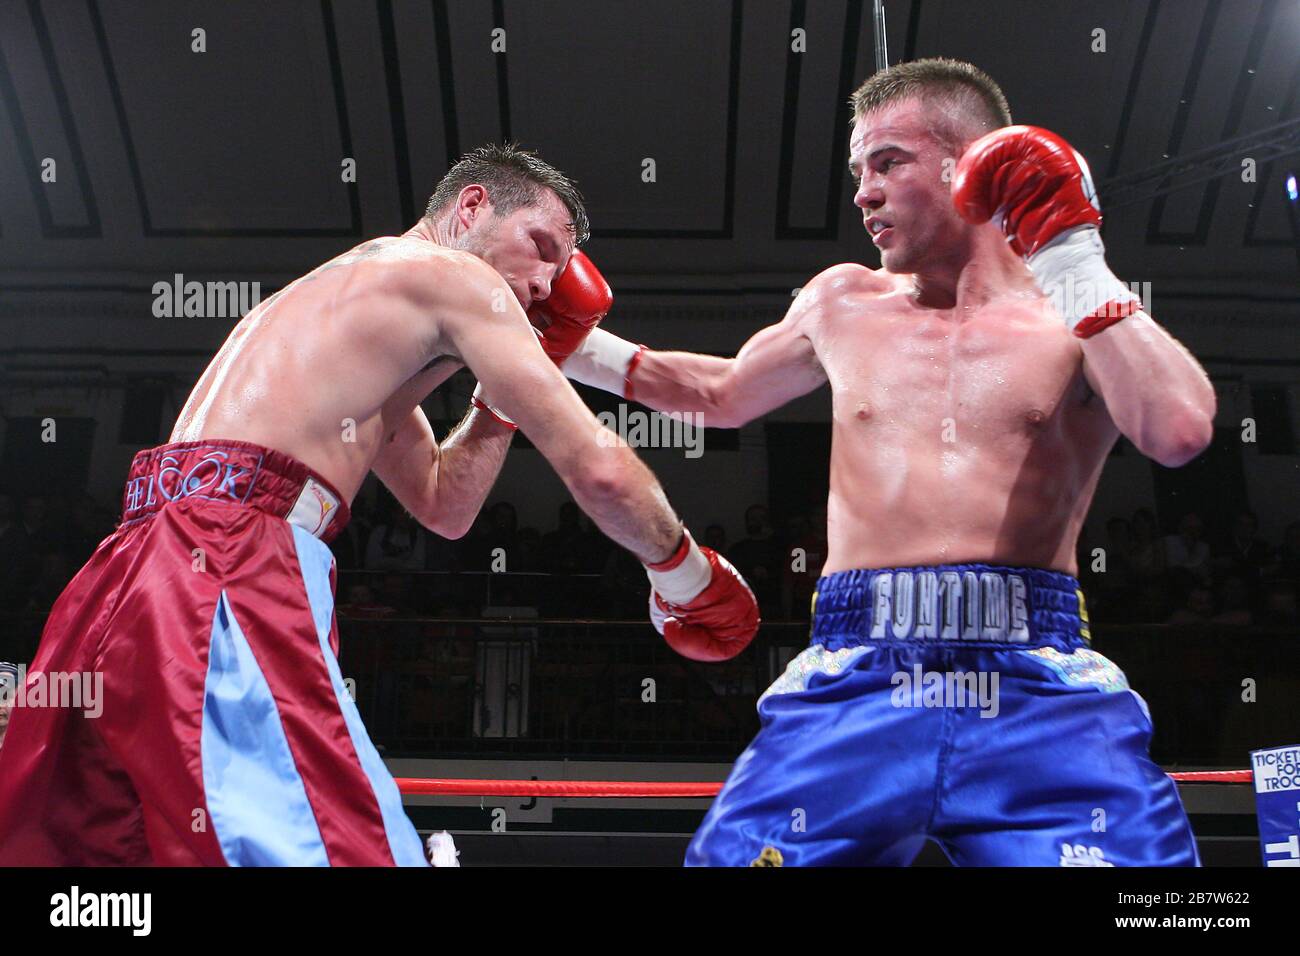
443 486
1156 393
776 366
490 333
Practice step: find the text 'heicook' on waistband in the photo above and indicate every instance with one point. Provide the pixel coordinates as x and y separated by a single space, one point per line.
233 472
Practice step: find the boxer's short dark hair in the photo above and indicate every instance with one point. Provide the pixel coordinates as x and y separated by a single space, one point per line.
514 178
962 88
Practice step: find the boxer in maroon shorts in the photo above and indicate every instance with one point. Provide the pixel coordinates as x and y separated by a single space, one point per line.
225 734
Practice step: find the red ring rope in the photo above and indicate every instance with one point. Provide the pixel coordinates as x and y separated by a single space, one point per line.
634 788
1213 776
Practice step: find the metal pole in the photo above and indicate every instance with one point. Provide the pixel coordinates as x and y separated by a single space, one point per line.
1293 202
878 23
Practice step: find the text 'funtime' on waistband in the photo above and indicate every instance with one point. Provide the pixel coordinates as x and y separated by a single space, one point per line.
961 603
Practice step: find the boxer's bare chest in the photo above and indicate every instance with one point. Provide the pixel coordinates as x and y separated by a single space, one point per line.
1001 371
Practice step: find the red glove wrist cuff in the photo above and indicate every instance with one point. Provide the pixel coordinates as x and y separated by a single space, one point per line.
491 411
1106 316
631 367
676 558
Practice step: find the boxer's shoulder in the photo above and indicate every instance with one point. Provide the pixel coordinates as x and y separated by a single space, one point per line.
851 278
447 275
848 291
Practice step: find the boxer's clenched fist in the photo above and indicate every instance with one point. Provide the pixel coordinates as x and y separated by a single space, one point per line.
701 604
1032 179
1040 192
578 301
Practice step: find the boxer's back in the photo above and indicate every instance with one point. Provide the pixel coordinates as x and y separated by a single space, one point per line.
956 439
317 369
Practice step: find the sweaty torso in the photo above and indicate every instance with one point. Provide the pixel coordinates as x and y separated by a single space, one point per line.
958 436
328 366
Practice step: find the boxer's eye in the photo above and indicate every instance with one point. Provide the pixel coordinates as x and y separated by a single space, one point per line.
544 249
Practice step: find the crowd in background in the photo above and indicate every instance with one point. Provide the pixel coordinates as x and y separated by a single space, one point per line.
571 571
1130 571
44 541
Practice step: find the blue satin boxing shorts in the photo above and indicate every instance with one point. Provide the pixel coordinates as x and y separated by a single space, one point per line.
959 703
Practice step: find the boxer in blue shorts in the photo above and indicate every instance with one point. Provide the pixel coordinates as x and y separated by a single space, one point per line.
978 381
960 703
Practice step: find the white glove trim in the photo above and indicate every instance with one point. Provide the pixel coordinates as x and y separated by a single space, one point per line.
1071 270
601 361
683 582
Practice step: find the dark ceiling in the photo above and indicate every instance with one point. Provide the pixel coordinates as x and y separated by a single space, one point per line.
227 163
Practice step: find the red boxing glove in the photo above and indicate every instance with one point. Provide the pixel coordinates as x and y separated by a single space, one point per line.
701 604
1029 177
578 301
1040 193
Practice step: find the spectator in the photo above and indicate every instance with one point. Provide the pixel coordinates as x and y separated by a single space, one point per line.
395 591
1115 584
1244 553
360 601
523 564
56 570
796 529
87 527
502 528
1197 606
8 690
397 544
527 556
1147 556
346 548
1151 604
1234 602
800 573
593 547
1287 563
564 540
349 546
474 551
566 594
1187 549
757 557
1280 604
715 537
441 554
625 590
